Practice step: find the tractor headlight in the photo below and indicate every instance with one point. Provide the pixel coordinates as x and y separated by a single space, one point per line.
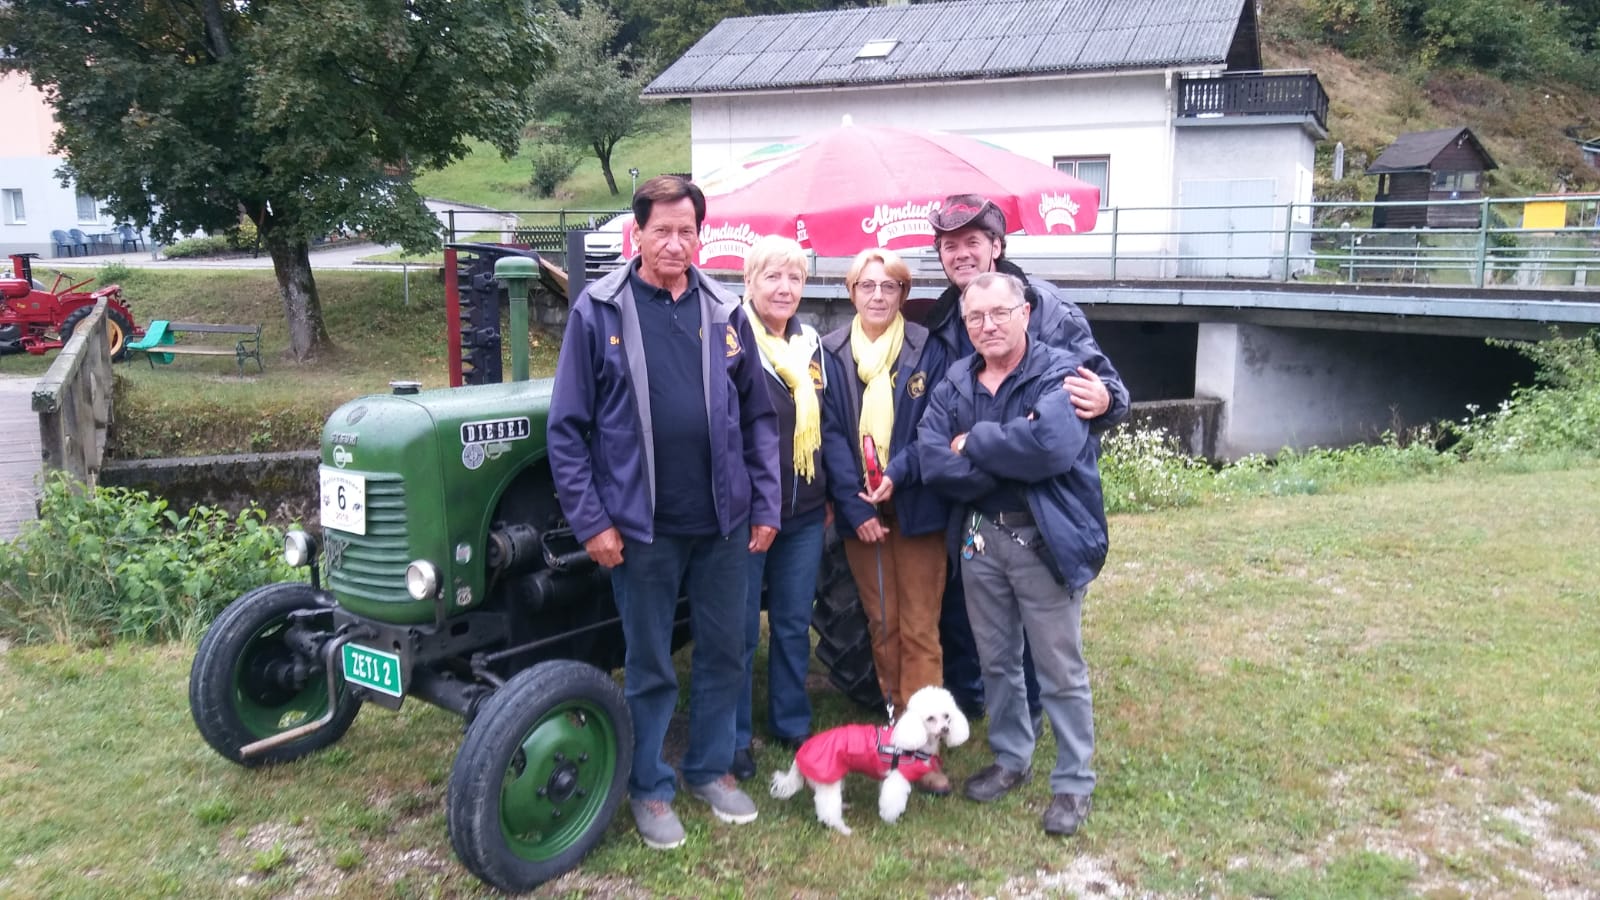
422 580
299 549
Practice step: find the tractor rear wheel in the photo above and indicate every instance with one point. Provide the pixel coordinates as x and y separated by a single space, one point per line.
117 325
540 775
844 646
251 679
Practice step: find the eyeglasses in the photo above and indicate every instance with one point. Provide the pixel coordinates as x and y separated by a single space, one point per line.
998 316
889 288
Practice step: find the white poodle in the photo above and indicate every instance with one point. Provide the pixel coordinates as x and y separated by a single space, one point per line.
896 756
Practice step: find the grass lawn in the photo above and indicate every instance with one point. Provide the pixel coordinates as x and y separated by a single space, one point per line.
1381 692
200 405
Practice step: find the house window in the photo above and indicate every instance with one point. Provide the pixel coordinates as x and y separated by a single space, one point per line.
1455 181
88 208
1096 170
11 206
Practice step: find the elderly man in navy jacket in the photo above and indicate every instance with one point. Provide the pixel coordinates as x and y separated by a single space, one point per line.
664 447
1002 439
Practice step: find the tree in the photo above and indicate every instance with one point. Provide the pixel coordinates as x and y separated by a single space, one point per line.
593 93
306 116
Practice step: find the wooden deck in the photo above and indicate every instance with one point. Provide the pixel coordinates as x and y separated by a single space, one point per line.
20 460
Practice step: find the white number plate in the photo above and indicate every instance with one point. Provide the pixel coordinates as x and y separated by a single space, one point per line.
344 500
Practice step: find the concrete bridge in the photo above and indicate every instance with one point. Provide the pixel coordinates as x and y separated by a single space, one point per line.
1297 364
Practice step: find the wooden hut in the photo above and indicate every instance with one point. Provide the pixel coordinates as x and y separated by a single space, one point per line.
1443 164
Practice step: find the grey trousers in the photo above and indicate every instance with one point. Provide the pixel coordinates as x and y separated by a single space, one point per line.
1010 590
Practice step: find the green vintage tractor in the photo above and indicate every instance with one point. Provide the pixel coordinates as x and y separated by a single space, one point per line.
446 572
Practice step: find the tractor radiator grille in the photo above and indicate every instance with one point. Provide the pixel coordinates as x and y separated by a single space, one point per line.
373 565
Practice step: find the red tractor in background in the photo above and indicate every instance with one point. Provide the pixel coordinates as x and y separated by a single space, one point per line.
31 314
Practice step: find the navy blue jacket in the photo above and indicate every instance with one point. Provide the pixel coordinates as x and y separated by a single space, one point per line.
920 366
1055 320
599 430
800 497
1051 452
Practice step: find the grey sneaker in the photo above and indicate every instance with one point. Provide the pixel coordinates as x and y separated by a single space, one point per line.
728 803
658 824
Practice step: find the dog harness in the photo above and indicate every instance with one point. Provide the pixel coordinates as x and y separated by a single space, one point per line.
864 749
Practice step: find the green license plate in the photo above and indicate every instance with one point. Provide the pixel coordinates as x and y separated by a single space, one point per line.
373 669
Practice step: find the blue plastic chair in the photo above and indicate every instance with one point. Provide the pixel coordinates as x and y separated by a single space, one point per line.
62 241
79 239
131 240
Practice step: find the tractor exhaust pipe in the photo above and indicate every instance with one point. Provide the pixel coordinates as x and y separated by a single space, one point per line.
330 654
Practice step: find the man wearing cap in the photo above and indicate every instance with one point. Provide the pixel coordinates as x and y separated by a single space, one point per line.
969 235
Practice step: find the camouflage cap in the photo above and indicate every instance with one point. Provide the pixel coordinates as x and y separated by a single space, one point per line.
959 211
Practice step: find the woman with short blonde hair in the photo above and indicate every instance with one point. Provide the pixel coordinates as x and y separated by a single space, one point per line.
880 370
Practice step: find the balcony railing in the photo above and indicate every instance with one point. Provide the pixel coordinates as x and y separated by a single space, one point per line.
1254 94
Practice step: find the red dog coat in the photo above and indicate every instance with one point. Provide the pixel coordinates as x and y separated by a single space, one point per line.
834 753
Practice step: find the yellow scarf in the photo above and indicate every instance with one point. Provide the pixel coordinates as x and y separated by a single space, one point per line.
791 359
875 364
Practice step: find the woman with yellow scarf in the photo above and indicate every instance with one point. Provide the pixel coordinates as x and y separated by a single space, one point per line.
880 371
774 276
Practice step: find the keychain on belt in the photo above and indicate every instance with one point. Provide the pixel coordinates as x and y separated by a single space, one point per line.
974 542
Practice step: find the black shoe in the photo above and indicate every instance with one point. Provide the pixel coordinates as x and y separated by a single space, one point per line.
1066 814
744 765
994 782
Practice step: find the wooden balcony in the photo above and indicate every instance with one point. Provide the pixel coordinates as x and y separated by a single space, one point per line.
1254 94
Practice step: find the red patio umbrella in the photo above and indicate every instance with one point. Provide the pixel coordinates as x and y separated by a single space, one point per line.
859 186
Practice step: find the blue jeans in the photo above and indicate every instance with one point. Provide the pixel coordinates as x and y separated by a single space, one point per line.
646 587
789 571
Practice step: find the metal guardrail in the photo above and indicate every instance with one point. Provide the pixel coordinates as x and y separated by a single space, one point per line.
1322 241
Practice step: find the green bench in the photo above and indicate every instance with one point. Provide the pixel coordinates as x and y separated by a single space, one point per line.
163 341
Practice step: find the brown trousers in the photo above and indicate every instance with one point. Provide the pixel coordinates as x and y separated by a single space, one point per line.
905 624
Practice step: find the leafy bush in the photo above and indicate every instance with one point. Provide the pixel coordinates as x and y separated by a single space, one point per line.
112 273
1147 470
210 245
552 164
109 563
1559 414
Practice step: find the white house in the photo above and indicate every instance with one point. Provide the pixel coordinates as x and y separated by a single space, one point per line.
32 201
1161 103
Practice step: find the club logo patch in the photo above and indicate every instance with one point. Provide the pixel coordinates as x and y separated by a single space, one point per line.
732 340
815 370
918 385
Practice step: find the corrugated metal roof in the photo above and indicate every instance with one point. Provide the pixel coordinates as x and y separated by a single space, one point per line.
955 40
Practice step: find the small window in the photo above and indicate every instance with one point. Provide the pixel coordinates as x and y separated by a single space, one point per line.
877 49
88 208
1095 170
11 206
1455 181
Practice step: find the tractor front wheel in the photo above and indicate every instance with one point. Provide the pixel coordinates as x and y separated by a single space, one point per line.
540 775
251 679
117 327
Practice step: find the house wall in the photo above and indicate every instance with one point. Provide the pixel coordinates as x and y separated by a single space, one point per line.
1125 117
1245 152
26 164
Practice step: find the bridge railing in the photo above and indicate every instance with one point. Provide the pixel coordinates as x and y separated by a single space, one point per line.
73 400
1533 242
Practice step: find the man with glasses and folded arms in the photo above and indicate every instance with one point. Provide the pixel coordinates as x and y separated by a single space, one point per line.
969 235
1003 439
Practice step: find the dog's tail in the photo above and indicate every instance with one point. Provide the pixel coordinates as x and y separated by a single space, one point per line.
785 784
